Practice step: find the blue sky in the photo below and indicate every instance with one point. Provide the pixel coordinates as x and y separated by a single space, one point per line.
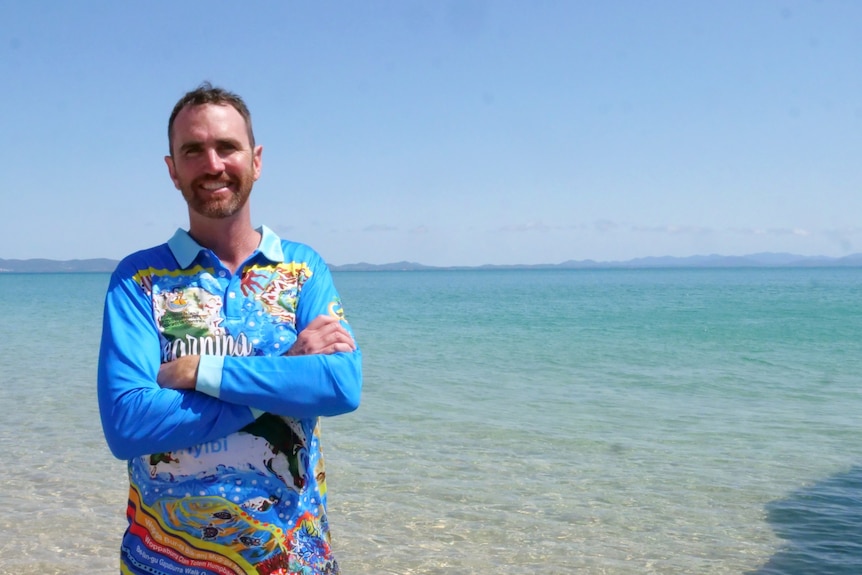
447 132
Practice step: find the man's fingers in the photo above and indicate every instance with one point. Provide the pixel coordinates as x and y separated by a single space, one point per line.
321 321
329 328
344 338
343 347
323 335
325 338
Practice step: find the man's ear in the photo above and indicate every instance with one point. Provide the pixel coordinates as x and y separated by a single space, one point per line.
257 161
172 171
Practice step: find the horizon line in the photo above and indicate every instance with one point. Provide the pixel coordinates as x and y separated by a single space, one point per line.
761 259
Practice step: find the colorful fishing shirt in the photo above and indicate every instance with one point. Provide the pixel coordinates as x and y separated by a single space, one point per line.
228 478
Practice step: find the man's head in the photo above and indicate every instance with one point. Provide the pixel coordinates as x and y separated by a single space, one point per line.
207 94
213 159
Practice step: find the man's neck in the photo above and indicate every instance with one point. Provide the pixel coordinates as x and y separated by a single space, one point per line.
232 240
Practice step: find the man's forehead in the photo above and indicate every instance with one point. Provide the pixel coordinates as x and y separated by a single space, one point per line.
210 120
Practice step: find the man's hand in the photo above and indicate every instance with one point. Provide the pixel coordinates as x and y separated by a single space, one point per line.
182 373
324 335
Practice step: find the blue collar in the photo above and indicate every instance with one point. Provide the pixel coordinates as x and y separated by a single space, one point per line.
185 249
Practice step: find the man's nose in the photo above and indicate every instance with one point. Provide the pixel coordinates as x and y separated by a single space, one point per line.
214 162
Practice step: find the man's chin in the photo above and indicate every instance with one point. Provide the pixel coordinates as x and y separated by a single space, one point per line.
217 210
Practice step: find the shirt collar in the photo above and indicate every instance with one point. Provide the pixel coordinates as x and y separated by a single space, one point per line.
185 249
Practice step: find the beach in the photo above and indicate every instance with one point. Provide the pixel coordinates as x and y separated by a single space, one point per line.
672 421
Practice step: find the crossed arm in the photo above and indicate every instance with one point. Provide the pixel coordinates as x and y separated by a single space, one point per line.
324 335
149 407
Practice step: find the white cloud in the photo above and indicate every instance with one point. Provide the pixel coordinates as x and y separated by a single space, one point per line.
527 227
379 228
774 232
672 229
605 225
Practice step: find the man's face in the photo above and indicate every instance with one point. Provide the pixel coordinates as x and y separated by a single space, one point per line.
212 162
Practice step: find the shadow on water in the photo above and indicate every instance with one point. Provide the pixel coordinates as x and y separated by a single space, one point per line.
822 527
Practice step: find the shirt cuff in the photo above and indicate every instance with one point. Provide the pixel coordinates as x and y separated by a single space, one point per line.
209 375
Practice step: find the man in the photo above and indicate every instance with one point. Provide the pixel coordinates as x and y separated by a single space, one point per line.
220 350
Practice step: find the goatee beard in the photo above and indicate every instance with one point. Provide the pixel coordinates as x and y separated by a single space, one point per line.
221 208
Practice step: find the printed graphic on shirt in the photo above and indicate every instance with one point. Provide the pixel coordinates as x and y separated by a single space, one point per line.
253 501
269 445
218 506
278 289
209 535
189 310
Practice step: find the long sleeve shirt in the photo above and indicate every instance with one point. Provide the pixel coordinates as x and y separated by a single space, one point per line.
228 477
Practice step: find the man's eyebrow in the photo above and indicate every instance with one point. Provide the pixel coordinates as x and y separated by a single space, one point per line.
196 144
193 145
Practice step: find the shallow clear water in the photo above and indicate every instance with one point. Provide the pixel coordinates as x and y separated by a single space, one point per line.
609 421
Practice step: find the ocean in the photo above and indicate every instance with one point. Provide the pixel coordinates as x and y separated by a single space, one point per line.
667 421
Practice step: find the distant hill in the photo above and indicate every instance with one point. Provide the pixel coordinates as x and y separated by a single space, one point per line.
58 266
397 266
710 261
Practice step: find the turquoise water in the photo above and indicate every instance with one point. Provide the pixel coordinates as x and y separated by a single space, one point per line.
609 421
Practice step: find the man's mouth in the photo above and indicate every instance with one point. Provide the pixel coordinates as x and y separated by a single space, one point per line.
215 186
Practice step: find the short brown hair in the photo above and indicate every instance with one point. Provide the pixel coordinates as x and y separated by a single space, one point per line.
207 94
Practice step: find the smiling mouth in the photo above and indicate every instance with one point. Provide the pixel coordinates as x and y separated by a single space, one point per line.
215 186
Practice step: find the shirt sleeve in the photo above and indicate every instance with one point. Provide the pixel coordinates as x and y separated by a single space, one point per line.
138 416
294 386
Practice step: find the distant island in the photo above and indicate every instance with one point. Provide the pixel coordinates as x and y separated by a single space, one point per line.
101 265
